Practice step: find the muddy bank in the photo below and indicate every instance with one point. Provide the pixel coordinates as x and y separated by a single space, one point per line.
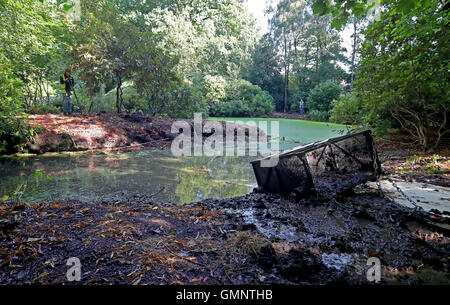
100 132
289 115
255 239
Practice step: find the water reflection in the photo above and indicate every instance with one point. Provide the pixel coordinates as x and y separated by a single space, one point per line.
185 180
94 177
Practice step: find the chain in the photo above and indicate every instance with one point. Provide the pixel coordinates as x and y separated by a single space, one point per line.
417 208
375 166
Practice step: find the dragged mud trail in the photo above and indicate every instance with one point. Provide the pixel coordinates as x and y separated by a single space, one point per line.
255 239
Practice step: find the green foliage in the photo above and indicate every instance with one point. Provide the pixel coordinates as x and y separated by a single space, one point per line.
265 70
322 96
232 108
184 100
309 50
14 130
262 104
214 88
342 10
404 75
32 37
347 109
30 34
243 99
210 37
44 109
318 116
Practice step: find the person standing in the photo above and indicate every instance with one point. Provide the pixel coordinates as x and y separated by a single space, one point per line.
67 83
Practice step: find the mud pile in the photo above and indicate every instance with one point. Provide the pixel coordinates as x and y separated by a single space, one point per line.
100 132
255 239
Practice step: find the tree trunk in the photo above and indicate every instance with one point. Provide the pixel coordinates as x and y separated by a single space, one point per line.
318 55
91 105
118 93
355 42
286 72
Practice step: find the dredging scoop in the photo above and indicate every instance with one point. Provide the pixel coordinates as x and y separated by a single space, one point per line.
331 166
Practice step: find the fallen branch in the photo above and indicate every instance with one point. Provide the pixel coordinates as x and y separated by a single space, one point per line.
158 192
184 258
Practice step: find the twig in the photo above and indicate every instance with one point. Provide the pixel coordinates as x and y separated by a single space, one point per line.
158 192
181 257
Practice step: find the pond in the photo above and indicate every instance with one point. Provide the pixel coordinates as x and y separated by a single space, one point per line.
123 175
294 133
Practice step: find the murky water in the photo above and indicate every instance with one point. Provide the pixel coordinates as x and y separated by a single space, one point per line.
93 177
185 180
294 132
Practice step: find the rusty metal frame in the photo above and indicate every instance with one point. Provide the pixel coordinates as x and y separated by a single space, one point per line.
272 183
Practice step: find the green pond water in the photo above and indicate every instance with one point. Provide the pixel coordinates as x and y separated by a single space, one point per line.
123 175
294 132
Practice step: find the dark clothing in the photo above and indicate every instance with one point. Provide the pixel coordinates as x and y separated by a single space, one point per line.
67 83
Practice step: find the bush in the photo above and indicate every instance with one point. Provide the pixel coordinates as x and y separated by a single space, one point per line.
214 88
403 76
243 99
230 109
132 102
319 116
14 130
184 101
346 110
262 104
322 96
14 133
44 109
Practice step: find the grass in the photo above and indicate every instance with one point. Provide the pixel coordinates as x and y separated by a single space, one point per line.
248 243
434 164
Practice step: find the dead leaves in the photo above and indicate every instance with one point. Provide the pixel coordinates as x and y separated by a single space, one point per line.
118 229
117 243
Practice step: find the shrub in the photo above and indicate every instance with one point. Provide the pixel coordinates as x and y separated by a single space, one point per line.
346 110
230 109
184 101
44 109
319 116
322 96
14 130
403 76
262 104
243 99
214 88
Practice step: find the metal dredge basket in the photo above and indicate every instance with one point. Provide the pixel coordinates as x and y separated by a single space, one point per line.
331 166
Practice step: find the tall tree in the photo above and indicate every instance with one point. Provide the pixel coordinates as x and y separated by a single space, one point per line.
265 70
310 48
286 22
213 37
404 73
343 10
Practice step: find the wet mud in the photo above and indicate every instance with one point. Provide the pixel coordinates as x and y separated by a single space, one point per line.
100 132
255 239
